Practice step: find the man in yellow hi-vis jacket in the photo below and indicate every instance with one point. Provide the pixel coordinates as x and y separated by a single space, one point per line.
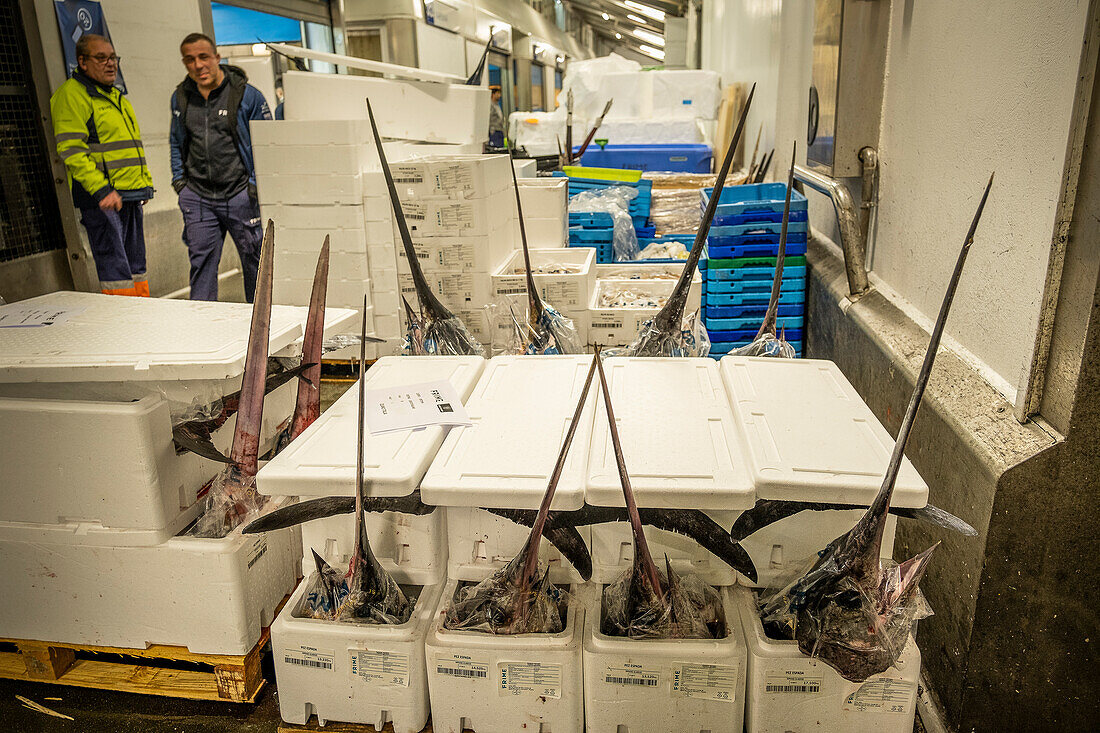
98 138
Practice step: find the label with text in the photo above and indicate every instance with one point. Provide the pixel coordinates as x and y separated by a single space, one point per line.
529 678
631 675
380 667
462 667
705 681
310 657
883 695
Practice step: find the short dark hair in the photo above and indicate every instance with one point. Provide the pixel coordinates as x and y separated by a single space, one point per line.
196 37
86 40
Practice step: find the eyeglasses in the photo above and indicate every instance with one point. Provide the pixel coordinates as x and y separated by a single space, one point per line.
103 58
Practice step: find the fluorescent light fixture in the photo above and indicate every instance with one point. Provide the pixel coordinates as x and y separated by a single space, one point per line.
636 19
606 16
653 38
645 10
618 36
654 52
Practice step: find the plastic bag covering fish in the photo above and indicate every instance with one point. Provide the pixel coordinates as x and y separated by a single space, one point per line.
614 200
513 334
693 340
232 497
327 590
519 598
664 335
849 609
440 331
691 609
766 342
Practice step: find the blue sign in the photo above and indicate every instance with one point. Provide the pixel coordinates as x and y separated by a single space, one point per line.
74 19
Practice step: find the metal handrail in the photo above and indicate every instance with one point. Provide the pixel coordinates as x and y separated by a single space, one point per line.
852 239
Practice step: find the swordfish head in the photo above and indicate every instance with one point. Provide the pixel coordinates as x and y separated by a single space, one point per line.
444 333
307 406
849 611
664 335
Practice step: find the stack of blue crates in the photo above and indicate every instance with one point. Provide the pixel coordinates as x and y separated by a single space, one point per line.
593 229
737 275
639 205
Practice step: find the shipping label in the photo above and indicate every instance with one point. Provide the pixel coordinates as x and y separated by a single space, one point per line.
705 681
793 681
380 667
462 667
529 678
631 675
883 695
310 657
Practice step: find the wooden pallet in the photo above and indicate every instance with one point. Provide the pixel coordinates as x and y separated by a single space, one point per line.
225 677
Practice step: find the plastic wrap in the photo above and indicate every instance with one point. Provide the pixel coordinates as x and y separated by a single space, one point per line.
497 605
444 337
513 334
692 339
231 500
585 78
614 200
326 591
671 250
690 609
766 345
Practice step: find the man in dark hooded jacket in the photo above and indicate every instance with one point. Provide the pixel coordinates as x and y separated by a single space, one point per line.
212 168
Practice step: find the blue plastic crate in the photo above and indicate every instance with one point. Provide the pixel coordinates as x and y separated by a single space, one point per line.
762 245
741 274
605 253
753 217
577 234
718 349
725 300
739 287
746 335
686 158
591 219
760 228
644 233
754 198
753 310
734 324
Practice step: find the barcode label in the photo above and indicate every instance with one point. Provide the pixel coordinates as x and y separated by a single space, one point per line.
380 667
511 291
606 325
884 695
462 667
258 551
529 678
631 675
705 681
794 681
308 657
411 179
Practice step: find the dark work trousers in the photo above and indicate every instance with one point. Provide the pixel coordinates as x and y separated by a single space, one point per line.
205 223
117 239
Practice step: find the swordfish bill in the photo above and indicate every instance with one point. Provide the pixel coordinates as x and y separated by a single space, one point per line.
569 128
475 78
307 406
534 302
669 318
592 133
768 326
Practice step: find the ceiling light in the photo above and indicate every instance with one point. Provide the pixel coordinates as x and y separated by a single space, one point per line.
636 19
653 38
606 16
618 36
645 10
654 52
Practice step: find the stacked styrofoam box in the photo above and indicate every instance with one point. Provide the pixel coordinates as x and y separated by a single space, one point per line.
543 133
700 683
613 325
98 495
545 211
520 409
365 672
568 293
461 213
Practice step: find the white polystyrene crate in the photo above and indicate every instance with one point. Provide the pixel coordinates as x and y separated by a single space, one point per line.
619 326
308 187
686 131
444 217
389 327
788 691
212 596
466 253
539 132
112 475
383 279
405 110
321 461
486 682
294 159
453 176
386 301
632 92
546 233
685 93
479 543
456 290
301 265
564 291
414 547
343 241
525 167
137 341
664 684
521 409
312 216
503 334
666 271
298 133
809 436
544 198
354 672
340 293
382 256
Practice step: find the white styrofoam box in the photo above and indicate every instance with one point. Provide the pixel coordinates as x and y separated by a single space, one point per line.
664 684
382 256
456 290
610 326
521 409
546 233
788 691
525 167
544 198
477 321
212 596
387 301
809 436
462 253
112 475
503 329
541 132
406 110
302 265
632 92
685 93
342 241
316 132
567 291
295 159
664 131
321 461
308 188
479 543
313 216
654 271
444 217
340 293
505 684
389 327
452 176
351 672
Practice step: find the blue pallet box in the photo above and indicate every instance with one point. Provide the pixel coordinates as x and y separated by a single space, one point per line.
684 158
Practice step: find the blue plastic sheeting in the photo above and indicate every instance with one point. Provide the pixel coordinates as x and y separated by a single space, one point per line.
233 26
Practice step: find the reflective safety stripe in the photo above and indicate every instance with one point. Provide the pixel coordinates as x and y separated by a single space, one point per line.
64 136
70 152
112 165
141 287
114 145
131 290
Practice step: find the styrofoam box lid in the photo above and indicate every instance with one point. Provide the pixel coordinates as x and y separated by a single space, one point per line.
521 409
140 339
809 436
678 437
583 257
321 461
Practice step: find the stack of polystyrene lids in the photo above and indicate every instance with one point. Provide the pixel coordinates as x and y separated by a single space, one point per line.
521 410
809 436
321 461
678 438
115 339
